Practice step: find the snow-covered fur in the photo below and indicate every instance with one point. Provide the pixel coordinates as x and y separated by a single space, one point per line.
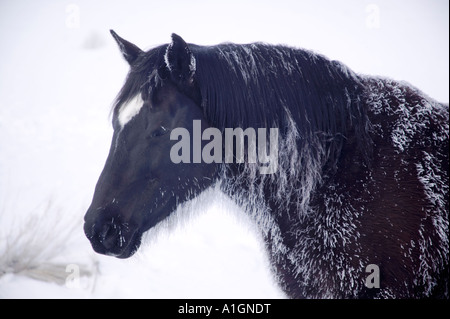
322 231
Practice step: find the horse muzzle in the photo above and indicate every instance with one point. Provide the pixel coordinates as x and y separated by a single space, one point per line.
110 236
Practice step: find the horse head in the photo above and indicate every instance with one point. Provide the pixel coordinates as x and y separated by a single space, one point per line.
140 185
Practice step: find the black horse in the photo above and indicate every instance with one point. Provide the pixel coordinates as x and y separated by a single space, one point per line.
358 204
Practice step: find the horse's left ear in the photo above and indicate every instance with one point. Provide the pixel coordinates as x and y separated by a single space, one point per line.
180 61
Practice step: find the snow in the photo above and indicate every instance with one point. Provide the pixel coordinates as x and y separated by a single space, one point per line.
60 72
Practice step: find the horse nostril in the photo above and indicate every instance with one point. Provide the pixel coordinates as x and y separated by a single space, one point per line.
108 235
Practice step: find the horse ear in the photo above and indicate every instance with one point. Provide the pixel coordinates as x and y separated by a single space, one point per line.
129 50
180 61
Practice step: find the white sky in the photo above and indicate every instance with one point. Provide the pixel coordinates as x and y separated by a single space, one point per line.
403 39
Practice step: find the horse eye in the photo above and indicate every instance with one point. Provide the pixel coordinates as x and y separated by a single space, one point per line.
159 131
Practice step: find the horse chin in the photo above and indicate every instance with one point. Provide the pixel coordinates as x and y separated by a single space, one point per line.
131 248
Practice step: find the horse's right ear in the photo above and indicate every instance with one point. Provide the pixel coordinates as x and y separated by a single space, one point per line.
129 51
180 61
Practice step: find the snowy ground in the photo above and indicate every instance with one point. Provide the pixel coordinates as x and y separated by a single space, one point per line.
60 71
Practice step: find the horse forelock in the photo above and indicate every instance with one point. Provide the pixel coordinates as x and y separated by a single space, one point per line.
141 79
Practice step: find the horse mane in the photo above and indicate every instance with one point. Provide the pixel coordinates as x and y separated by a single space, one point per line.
259 85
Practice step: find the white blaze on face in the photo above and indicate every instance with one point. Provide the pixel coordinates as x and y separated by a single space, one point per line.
130 109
